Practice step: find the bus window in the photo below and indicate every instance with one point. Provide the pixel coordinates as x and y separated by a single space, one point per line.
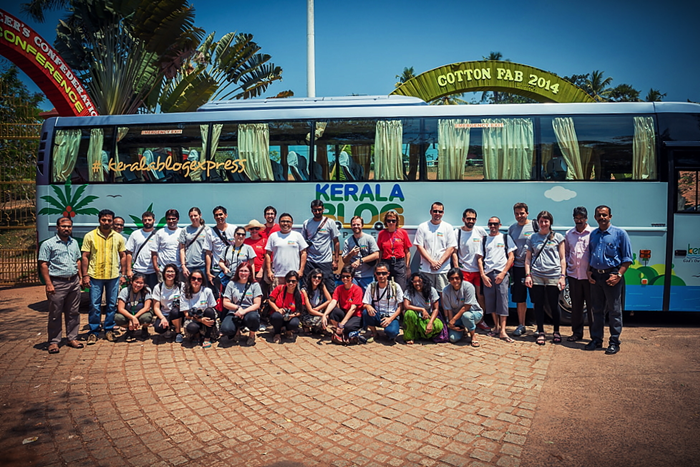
357 150
596 147
276 151
160 153
82 155
480 148
688 191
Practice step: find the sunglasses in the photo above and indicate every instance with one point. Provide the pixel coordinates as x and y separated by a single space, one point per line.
346 277
252 229
391 221
317 277
382 273
470 218
171 219
292 281
493 223
437 211
196 279
239 234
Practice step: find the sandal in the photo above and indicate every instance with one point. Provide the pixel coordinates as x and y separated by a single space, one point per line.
409 342
75 344
507 339
492 333
277 339
206 344
556 338
540 339
574 338
53 348
475 343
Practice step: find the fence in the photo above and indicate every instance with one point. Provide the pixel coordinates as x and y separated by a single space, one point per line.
18 267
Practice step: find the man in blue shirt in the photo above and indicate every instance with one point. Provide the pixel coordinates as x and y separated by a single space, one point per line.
59 266
610 256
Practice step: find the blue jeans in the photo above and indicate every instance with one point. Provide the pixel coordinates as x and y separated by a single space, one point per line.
469 319
363 282
111 288
391 331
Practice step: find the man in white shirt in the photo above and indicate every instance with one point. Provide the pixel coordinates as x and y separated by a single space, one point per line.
494 262
217 239
435 242
165 248
469 239
138 250
383 302
285 251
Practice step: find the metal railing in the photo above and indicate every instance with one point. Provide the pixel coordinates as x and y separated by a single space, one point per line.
17 205
18 267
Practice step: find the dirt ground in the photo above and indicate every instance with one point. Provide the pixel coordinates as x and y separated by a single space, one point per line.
640 407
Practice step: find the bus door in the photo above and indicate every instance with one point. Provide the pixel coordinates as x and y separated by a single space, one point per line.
683 249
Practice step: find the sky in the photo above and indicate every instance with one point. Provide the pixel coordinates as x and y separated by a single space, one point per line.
362 45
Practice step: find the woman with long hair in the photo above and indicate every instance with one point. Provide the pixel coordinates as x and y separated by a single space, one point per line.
134 307
286 304
198 302
242 299
420 305
236 254
545 273
462 311
344 312
317 299
394 248
166 303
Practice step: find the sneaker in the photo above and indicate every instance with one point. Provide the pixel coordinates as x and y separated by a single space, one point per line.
110 336
179 338
144 333
483 326
168 334
519 331
91 339
262 327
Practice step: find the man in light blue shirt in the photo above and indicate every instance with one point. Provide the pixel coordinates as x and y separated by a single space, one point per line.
610 255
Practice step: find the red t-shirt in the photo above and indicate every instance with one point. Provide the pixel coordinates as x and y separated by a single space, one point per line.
283 299
393 244
266 232
347 298
258 247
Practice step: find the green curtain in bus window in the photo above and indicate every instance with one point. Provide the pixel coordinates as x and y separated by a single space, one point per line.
122 131
388 157
94 155
568 143
453 148
644 149
508 149
254 149
65 153
215 135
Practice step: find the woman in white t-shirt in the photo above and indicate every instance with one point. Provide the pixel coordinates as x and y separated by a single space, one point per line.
198 302
242 300
166 304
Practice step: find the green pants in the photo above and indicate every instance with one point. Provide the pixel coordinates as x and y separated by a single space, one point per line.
416 327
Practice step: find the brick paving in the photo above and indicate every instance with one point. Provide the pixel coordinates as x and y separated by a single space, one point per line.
307 403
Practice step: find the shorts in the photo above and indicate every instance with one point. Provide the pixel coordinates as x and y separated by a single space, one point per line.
518 291
439 280
473 277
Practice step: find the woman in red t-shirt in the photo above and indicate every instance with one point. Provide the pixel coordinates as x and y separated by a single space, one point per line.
345 309
394 247
286 304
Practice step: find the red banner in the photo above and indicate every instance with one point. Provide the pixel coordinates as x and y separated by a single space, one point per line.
33 55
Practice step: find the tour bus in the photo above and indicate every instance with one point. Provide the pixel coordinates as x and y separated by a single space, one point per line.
366 155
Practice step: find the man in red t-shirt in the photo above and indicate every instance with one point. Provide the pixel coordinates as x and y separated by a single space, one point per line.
345 309
270 226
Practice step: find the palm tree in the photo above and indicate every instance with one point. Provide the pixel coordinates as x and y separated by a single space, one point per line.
495 95
452 99
597 86
624 93
407 74
655 95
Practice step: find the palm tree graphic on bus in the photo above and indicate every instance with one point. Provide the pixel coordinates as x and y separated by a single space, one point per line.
67 203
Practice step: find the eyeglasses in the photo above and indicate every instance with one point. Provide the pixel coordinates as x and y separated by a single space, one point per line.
196 279
493 223
437 211
454 278
118 225
382 273
292 281
285 222
346 277
390 221
579 219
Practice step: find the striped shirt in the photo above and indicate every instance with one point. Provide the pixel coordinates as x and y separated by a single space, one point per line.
62 257
104 254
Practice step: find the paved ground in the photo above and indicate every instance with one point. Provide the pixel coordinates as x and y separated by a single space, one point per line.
312 403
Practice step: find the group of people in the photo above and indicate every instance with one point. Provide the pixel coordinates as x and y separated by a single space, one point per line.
202 282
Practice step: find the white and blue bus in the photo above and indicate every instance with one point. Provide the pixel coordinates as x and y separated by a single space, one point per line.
366 155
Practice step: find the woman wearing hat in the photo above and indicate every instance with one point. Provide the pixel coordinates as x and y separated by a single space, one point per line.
257 242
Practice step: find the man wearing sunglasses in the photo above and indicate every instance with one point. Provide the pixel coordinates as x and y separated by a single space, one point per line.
435 242
383 302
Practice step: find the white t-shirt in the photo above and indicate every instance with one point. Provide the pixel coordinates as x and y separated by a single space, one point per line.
167 246
384 300
166 295
143 262
203 299
286 249
214 243
468 247
436 239
497 253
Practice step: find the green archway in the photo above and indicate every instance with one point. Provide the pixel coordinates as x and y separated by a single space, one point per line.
492 75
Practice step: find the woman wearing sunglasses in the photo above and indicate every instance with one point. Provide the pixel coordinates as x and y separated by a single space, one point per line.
394 248
286 303
197 302
317 299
